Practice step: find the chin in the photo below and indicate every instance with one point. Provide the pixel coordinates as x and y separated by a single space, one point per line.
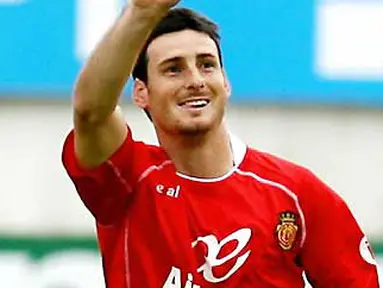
196 130
195 127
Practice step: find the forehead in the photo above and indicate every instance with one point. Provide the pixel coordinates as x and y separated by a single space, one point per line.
184 43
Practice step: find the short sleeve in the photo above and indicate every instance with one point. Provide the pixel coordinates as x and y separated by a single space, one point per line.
336 253
105 190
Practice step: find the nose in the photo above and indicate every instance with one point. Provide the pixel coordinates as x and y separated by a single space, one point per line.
194 79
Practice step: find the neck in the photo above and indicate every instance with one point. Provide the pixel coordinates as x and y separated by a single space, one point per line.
207 155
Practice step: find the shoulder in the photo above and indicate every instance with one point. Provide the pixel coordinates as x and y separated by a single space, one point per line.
155 152
300 180
275 168
131 157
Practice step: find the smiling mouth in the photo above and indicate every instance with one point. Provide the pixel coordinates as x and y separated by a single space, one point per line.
194 103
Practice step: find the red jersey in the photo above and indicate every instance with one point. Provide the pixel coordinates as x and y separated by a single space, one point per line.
263 224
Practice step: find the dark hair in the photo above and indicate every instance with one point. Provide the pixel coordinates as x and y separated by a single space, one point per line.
177 19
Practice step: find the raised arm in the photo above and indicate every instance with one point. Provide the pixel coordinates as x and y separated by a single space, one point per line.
100 128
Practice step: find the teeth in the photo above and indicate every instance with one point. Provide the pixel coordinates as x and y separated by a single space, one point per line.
197 103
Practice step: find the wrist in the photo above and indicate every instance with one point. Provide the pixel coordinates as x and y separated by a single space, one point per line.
154 13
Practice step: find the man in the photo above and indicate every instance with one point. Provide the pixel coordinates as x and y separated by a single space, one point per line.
201 210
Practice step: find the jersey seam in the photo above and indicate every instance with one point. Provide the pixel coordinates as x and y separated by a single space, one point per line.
150 169
122 180
286 190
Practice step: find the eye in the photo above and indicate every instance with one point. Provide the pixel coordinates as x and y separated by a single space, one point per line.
174 69
208 64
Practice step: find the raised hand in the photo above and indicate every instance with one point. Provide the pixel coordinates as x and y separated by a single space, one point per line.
153 4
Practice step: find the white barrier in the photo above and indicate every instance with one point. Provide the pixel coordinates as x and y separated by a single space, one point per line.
321 140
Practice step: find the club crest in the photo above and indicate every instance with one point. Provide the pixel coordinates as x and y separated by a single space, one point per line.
287 230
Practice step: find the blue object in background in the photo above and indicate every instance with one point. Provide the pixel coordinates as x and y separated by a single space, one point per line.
268 48
36 51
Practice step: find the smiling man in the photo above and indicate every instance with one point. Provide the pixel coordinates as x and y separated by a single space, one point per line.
202 209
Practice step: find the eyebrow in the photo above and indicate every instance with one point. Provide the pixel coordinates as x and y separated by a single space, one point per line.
178 58
170 60
206 55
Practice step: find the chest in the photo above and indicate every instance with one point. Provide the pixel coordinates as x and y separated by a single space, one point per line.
217 231
233 214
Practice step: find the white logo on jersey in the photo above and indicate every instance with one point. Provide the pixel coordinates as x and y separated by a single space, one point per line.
366 251
242 237
174 280
169 191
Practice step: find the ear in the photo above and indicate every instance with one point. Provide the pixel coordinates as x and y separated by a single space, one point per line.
140 94
226 83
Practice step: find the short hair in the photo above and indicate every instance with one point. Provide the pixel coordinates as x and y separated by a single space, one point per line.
177 19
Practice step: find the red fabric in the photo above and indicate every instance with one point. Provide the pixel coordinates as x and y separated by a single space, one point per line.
156 227
332 252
